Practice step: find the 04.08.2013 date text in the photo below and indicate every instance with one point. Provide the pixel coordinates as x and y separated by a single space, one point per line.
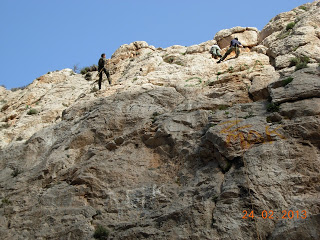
271 215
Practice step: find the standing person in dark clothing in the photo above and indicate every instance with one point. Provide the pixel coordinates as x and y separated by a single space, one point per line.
101 68
234 46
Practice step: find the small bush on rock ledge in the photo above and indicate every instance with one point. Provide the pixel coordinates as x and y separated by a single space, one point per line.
89 69
169 60
101 233
287 81
299 62
303 8
88 76
5 202
223 107
16 172
290 25
273 107
32 111
5 126
18 88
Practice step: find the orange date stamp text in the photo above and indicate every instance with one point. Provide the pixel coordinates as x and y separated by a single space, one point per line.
271 215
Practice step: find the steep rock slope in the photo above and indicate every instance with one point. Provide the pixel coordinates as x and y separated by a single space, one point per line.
178 148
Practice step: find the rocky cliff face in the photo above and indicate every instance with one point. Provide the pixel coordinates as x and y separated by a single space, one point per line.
178 148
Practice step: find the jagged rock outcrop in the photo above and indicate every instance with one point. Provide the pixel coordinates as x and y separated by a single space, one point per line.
293 34
179 147
248 36
24 112
303 85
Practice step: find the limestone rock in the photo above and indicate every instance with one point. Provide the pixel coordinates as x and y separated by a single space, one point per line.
247 36
132 49
306 107
283 61
2 90
293 33
260 82
297 229
303 86
260 49
178 147
277 24
200 48
40 104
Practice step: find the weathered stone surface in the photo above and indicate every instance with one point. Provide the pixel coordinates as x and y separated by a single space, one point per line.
298 229
2 90
247 36
299 39
306 107
132 49
260 49
256 153
260 82
283 61
276 24
49 95
303 86
200 48
177 148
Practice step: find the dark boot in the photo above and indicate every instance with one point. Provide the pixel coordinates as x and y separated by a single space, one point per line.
100 84
100 80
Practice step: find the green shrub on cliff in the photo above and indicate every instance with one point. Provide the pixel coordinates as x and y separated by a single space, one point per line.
101 232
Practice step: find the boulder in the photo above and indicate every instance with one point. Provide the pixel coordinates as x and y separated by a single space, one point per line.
260 49
247 36
200 48
260 82
276 24
297 229
131 50
283 61
293 33
306 107
303 86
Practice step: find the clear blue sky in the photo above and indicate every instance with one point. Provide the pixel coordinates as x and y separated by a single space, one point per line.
38 36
